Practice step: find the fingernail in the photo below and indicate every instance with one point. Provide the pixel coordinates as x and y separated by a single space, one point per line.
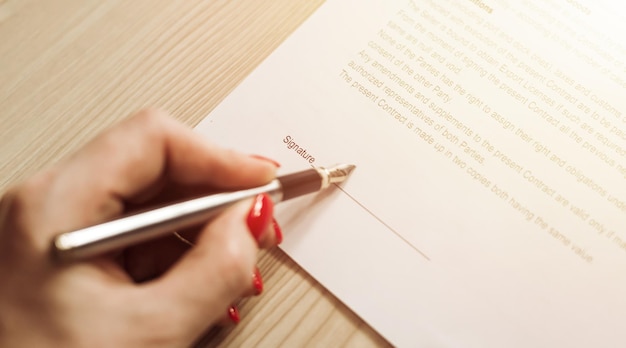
233 314
277 231
260 215
257 281
276 164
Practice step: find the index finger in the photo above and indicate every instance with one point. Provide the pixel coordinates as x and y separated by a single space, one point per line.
93 185
151 145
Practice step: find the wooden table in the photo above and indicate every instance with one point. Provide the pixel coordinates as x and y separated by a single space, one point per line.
70 68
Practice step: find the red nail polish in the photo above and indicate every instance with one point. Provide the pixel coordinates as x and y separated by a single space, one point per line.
233 314
257 281
276 164
277 231
260 215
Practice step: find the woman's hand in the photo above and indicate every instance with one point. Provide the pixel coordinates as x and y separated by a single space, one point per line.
164 292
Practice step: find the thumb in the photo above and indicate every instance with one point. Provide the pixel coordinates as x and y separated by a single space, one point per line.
216 271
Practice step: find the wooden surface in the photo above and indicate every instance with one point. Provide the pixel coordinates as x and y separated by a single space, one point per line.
70 68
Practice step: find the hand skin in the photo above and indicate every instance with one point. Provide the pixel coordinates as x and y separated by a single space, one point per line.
164 293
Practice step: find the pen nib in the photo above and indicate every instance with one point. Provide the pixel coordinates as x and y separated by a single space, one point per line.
339 172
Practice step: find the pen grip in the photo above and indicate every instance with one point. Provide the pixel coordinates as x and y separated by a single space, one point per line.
301 183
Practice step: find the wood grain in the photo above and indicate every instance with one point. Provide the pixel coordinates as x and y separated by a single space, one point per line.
71 68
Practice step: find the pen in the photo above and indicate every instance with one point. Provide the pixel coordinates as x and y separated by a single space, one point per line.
137 228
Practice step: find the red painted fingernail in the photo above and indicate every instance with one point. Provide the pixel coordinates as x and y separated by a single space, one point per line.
276 164
257 281
260 215
277 231
233 314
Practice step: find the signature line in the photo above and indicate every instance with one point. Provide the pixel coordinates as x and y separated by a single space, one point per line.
385 224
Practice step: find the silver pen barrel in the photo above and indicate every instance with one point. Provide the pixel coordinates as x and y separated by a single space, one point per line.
141 227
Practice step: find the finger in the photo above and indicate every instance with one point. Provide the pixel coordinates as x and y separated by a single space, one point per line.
129 159
151 259
230 317
271 236
261 222
215 273
151 144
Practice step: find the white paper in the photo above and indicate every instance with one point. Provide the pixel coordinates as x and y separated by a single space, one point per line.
488 205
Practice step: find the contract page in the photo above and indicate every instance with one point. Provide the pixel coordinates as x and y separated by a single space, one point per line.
488 204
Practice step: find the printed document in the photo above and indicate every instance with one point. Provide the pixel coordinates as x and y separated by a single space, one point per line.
488 206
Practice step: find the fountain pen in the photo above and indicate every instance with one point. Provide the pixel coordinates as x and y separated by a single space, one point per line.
133 229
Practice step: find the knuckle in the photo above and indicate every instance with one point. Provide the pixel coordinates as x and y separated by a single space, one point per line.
21 207
9 197
152 116
153 123
152 111
21 197
135 135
